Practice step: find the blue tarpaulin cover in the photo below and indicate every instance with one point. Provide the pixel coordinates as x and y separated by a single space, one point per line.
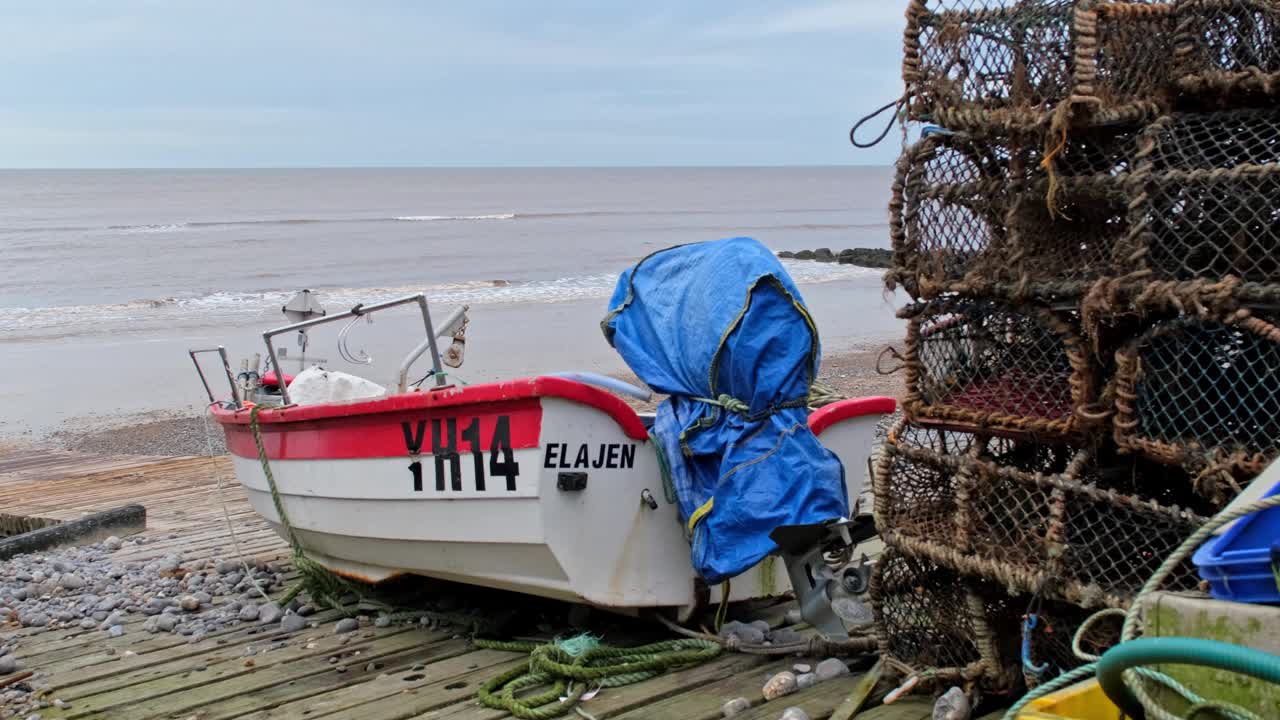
721 328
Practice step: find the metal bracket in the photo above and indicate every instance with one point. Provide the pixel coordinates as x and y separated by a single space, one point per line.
812 579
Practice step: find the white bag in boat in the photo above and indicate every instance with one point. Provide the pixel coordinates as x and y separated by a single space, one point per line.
316 385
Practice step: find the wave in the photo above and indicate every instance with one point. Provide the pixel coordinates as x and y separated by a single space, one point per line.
171 227
422 218
246 308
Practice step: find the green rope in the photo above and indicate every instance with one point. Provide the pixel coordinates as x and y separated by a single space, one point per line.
321 585
569 674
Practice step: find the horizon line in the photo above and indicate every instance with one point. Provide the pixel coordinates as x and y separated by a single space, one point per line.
445 167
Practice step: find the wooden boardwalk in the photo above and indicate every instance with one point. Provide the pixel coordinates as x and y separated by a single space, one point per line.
386 673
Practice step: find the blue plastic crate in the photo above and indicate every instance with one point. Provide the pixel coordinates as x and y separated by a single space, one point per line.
1238 563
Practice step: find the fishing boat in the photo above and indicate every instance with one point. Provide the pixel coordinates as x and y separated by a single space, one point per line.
546 485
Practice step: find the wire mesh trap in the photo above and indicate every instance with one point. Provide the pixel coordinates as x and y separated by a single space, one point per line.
1011 64
1227 50
931 618
1206 197
985 364
985 216
1073 525
1202 392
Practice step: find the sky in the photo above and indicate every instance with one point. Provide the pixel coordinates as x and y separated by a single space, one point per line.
315 83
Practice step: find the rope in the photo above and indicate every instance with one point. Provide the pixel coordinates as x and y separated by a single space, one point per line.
821 394
569 671
321 585
853 132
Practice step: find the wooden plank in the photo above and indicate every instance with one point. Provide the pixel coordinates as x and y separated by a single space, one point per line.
908 708
387 691
706 701
613 702
188 690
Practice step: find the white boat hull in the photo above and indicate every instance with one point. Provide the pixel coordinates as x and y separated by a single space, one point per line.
523 528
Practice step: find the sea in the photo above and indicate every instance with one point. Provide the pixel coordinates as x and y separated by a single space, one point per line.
107 277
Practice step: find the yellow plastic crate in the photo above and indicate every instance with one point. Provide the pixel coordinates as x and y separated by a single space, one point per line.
1082 701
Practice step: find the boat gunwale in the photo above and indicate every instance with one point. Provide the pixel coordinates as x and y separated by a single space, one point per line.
449 397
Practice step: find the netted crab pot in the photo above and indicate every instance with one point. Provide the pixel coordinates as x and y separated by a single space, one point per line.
1226 50
964 629
1201 392
993 365
931 618
1070 524
984 216
1205 198
1000 65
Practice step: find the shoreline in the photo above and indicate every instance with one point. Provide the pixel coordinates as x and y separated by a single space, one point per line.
175 432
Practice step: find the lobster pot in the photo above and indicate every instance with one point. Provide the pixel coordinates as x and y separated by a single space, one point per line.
1206 197
1200 391
1000 65
930 617
1032 517
982 216
1228 50
986 364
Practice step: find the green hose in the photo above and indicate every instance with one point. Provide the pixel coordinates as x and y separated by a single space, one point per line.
1178 651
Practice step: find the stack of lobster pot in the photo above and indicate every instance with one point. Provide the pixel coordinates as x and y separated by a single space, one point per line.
1089 230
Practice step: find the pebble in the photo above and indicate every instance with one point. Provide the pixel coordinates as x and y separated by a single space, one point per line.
88 624
952 705
169 564
382 621
112 544
203 598
372 667
226 567
806 680
269 613
735 706
341 669
793 616
784 683
249 612
166 623
794 713
71 581
306 610
114 618
116 631
785 636
190 603
293 623
8 664
346 625
830 668
746 634
802 668
38 619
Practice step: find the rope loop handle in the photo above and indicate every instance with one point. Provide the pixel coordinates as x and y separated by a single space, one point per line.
892 352
853 132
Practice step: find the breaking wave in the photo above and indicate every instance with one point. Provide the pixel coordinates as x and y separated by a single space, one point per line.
251 308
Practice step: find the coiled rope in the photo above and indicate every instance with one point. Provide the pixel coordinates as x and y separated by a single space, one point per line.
569 668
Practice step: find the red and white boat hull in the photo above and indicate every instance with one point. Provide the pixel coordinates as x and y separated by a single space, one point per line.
539 486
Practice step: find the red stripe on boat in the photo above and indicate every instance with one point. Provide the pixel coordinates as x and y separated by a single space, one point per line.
828 415
378 427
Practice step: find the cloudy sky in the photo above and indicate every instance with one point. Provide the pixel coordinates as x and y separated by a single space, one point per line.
271 83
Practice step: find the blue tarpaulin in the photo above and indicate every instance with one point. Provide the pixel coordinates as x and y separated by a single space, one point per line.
721 328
